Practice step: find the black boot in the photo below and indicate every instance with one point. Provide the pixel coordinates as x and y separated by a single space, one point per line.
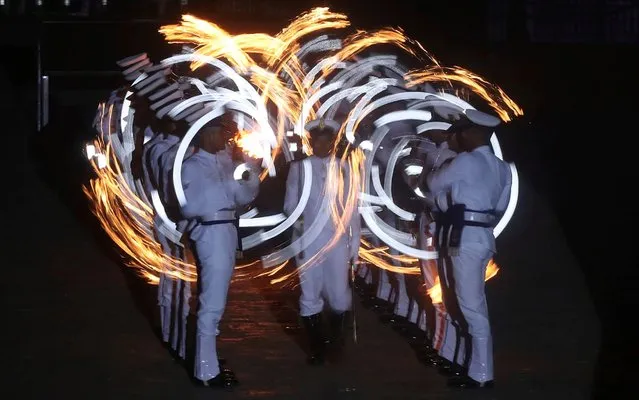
338 322
224 380
466 382
448 368
313 324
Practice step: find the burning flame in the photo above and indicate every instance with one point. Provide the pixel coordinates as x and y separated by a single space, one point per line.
503 105
435 292
126 219
250 142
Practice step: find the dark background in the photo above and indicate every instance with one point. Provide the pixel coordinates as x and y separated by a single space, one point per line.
572 66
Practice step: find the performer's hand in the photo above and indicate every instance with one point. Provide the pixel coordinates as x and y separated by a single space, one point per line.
237 154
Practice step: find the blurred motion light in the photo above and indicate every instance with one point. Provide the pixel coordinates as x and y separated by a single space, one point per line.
90 151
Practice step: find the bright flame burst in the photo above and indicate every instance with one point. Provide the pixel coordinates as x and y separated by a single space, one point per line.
250 142
277 73
435 292
128 221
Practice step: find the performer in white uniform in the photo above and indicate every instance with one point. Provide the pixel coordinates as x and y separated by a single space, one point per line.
439 351
326 278
391 291
212 196
165 139
392 286
470 193
181 289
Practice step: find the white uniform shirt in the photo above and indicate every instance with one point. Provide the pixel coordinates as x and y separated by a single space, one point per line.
477 179
167 159
294 184
437 155
209 187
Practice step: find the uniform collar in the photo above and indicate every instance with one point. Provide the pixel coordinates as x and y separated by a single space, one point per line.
483 149
205 155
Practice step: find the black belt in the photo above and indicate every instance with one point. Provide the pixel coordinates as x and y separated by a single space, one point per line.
455 215
450 224
236 222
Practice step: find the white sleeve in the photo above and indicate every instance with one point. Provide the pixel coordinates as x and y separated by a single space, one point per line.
443 181
192 191
504 198
443 178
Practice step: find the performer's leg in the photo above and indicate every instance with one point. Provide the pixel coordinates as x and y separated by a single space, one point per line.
401 298
336 277
215 254
311 305
165 293
383 286
181 310
337 290
453 348
436 312
184 311
414 305
469 269
311 282
362 271
439 330
176 302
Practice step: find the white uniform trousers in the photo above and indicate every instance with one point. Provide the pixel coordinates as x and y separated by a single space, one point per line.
326 279
165 291
181 309
215 255
469 271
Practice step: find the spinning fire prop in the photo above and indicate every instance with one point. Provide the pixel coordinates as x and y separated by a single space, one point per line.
272 86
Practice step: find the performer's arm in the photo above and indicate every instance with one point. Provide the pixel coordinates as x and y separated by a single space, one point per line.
502 204
192 191
449 172
443 180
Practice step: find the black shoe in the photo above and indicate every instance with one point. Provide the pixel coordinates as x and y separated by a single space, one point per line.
426 352
466 382
416 336
224 380
372 301
360 284
384 307
366 290
313 324
450 369
400 324
434 360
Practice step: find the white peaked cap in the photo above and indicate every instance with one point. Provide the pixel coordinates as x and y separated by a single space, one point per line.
327 123
481 118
